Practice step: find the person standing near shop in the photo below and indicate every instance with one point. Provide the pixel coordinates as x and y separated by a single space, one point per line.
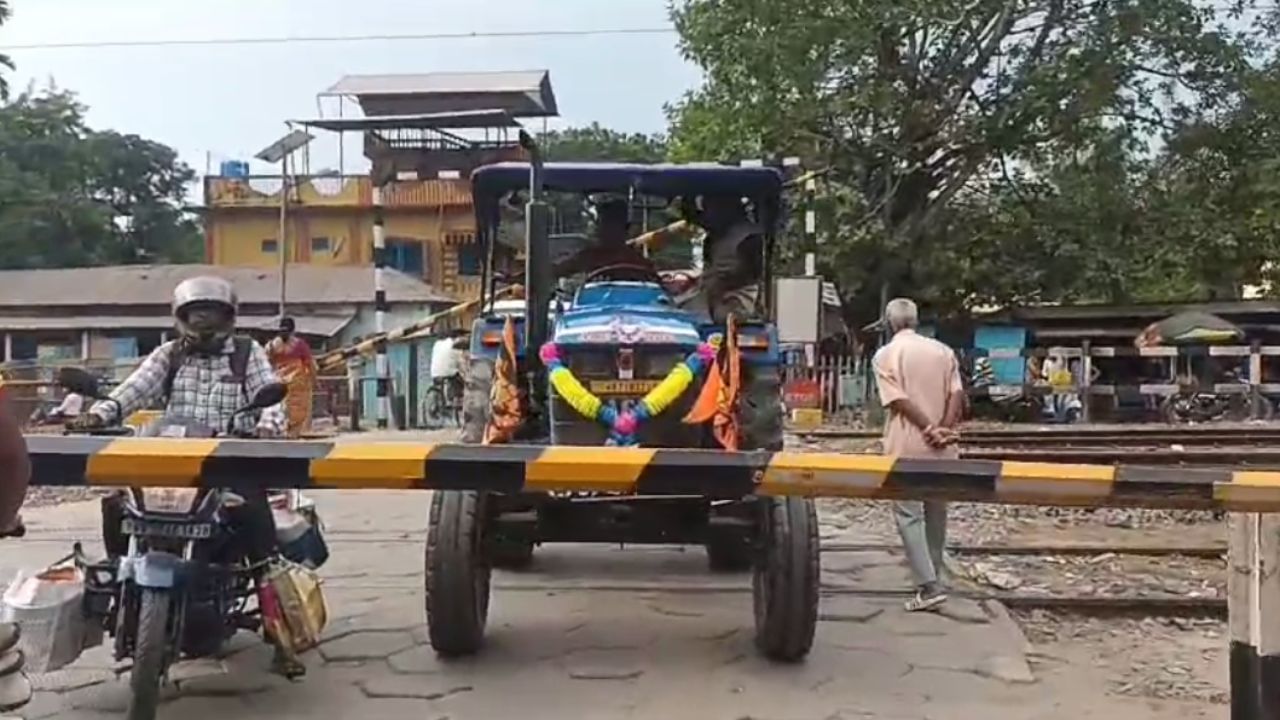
293 362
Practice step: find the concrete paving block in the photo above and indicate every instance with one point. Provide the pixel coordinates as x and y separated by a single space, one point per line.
68 679
1006 668
849 609
421 688
418 660
112 697
198 668
371 645
963 610
239 683
604 664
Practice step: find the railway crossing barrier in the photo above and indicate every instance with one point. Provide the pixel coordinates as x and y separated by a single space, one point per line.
1250 495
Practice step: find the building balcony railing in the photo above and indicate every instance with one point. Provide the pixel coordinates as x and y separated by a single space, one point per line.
332 191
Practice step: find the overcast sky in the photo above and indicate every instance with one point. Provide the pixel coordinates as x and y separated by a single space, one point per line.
231 100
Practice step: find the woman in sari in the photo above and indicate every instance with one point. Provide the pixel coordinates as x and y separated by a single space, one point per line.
292 359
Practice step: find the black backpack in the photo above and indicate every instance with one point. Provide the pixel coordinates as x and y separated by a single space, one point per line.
239 363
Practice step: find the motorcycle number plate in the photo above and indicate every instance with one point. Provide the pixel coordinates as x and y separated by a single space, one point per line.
622 387
187 531
173 431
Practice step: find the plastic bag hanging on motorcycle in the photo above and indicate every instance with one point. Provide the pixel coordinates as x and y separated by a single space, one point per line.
48 607
299 531
294 610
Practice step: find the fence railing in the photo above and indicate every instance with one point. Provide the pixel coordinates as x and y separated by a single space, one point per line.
840 379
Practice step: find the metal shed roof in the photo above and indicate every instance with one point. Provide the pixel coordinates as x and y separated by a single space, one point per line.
326 325
153 284
424 121
525 93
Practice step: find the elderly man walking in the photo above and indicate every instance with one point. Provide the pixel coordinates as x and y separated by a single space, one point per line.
919 383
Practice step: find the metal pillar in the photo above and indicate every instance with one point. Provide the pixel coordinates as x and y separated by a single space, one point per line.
282 245
1253 596
380 309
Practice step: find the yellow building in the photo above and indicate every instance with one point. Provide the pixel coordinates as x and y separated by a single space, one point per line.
432 125
430 226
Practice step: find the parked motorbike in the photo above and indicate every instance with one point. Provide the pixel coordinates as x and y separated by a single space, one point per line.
184 586
1191 405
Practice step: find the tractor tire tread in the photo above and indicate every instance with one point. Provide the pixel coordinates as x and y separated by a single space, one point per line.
457 578
786 581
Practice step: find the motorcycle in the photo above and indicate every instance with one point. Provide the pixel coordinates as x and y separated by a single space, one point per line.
183 588
1191 405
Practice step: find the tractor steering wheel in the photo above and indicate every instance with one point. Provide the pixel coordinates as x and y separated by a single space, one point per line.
624 272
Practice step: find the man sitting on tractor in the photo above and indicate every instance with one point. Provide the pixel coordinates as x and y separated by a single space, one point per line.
733 258
611 247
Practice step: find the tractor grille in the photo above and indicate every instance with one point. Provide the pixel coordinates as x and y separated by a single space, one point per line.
589 364
650 363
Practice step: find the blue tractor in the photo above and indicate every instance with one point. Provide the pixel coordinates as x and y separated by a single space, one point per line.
588 362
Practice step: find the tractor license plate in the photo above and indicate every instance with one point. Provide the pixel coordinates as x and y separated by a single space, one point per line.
183 531
622 387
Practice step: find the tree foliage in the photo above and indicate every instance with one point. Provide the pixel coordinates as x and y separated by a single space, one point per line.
594 143
5 61
1000 150
73 196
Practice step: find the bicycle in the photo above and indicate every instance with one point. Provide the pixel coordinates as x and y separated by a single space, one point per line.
443 402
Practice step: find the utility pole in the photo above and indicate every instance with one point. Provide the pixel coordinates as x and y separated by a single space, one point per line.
282 246
279 151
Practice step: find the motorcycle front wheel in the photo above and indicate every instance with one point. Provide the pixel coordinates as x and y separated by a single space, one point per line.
150 653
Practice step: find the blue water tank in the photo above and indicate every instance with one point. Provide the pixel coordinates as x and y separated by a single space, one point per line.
235 169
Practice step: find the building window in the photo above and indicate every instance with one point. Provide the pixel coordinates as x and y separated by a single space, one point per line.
320 245
470 260
270 246
405 255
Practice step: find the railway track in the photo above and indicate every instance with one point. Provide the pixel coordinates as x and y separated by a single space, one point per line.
1255 447
1140 434
1208 607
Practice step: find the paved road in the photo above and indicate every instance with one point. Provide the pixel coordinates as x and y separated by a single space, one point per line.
594 632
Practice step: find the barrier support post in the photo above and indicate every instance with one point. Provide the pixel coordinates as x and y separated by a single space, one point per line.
1086 382
1253 596
1255 378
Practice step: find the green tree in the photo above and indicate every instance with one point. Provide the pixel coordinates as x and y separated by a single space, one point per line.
71 196
594 143
929 111
5 60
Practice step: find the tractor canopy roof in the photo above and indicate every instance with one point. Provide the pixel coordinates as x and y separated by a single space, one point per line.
762 185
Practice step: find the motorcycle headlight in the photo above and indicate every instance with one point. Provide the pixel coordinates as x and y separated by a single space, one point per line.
168 500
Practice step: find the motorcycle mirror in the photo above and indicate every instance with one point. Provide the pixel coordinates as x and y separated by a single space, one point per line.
79 381
267 395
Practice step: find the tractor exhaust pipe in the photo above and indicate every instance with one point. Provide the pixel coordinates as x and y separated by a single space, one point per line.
537 269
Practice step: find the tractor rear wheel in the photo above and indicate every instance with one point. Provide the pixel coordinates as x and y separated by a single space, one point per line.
475 400
760 409
784 587
761 415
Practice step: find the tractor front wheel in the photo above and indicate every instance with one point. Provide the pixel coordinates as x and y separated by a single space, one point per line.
785 582
457 573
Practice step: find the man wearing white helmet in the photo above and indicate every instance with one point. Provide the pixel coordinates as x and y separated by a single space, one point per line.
204 376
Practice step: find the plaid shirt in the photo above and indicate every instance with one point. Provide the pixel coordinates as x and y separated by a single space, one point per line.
203 389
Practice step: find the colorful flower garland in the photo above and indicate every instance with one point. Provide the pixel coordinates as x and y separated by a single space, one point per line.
624 425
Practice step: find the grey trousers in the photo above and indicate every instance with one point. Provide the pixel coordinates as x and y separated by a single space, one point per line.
923 527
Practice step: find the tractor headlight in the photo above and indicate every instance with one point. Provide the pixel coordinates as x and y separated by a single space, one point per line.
168 500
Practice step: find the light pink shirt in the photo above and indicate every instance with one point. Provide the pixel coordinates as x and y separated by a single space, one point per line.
925 372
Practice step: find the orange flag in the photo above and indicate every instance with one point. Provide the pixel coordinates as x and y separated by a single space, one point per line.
717 402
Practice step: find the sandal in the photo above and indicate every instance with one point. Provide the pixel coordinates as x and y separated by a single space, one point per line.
927 597
290 668
17 530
